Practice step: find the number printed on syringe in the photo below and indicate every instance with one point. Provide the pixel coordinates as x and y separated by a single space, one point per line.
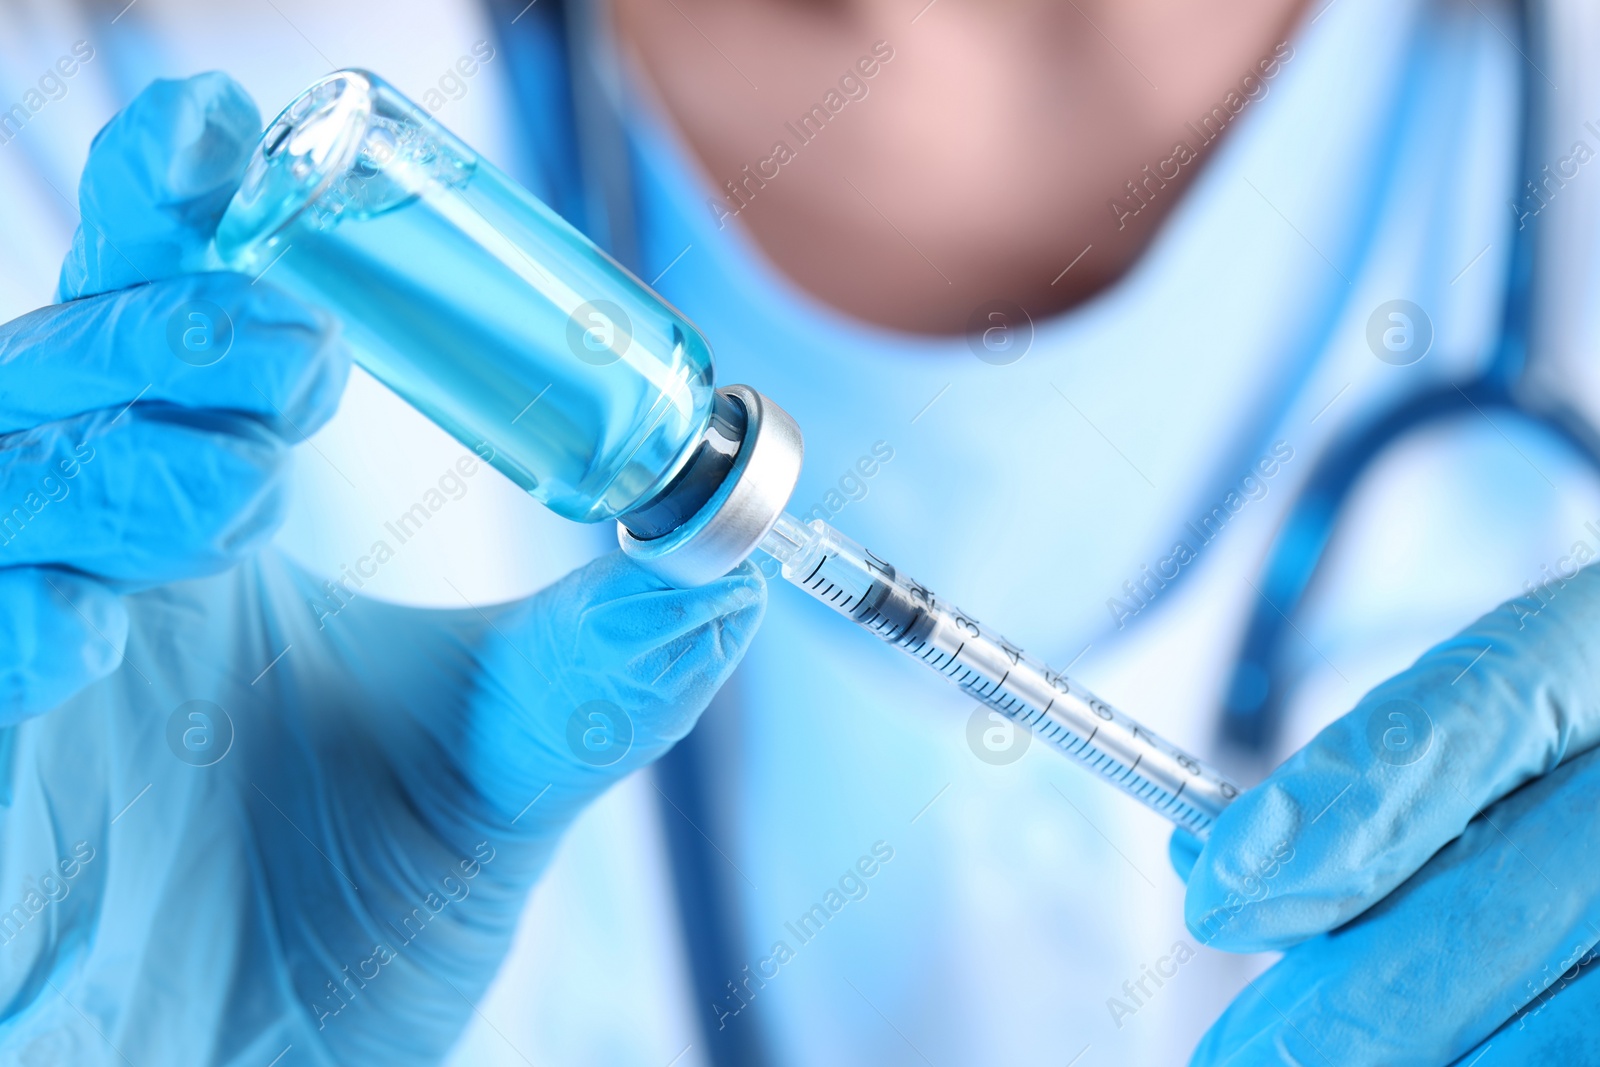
867 589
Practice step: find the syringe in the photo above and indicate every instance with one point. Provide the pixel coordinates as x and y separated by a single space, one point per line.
870 592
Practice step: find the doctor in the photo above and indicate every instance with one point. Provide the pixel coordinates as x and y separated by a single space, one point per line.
844 199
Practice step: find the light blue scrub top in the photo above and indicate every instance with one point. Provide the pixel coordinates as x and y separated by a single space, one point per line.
1377 166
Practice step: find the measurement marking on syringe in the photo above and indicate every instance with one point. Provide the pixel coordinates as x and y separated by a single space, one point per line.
865 589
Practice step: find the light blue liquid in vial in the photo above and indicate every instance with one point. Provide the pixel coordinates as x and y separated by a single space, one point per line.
471 299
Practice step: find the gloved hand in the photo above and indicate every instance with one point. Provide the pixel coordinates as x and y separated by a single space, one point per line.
1428 862
262 818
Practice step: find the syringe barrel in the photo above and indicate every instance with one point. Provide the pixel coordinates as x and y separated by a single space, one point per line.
472 299
872 593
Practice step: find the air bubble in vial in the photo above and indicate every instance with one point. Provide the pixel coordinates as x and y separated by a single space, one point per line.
378 147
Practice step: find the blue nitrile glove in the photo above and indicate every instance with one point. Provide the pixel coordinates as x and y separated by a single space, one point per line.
1444 832
243 816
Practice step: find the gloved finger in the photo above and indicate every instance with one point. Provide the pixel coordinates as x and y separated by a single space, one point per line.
253 349
600 674
158 178
651 627
144 497
1383 788
1440 963
1557 1027
622 634
59 631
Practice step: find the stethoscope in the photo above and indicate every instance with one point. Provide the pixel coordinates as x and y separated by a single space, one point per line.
1254 704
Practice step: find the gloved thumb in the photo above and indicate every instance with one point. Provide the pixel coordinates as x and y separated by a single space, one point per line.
605 671
159 176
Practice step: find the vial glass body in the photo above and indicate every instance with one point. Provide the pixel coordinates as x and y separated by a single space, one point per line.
471 299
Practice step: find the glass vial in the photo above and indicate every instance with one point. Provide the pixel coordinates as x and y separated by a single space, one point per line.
472 299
